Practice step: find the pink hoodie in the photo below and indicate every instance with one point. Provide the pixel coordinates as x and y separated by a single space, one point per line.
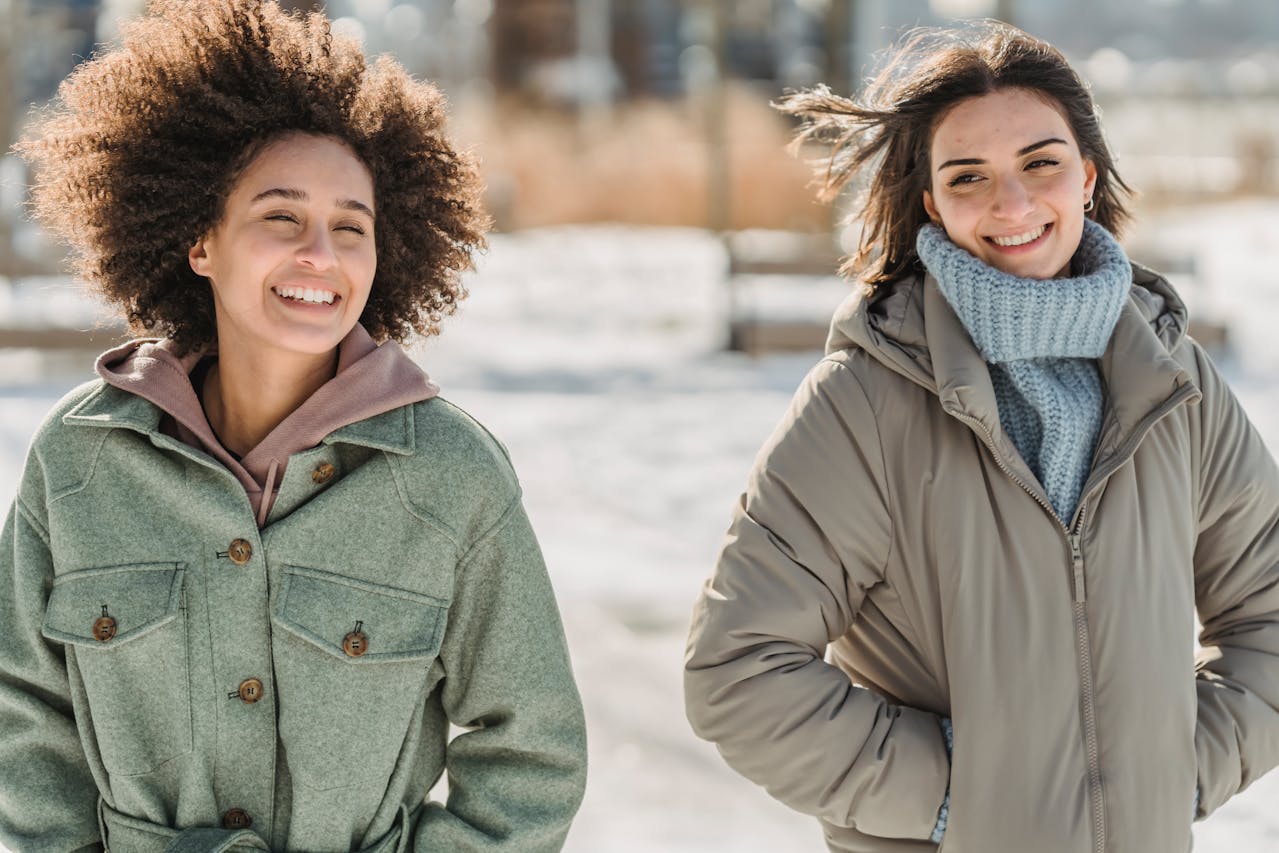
370 380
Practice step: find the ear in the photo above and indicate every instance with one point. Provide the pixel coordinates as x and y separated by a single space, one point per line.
931 209
198 258
1090 179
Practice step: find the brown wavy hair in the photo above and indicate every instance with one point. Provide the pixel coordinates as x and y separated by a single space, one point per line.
887 132
134 161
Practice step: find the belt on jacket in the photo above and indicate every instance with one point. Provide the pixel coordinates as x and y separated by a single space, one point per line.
128 834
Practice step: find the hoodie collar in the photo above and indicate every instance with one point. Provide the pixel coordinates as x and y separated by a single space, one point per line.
366 402
369 380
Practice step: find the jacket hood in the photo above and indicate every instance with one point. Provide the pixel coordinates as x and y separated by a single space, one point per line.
370 379
912 330
892 325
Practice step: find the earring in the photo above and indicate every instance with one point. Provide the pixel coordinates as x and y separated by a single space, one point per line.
1088 205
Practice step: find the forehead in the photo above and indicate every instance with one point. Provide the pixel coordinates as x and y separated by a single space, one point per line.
322 167
990 124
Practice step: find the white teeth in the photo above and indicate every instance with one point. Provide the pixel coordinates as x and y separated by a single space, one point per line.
307 294
1020 239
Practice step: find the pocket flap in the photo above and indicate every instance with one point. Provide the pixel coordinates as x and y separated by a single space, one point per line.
139 598
323 608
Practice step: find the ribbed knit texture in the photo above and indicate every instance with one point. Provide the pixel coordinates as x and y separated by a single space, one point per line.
1041 338
943 814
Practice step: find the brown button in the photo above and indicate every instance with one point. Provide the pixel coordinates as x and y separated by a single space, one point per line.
322 473
239 551
250 690
104 629
236 819
355 644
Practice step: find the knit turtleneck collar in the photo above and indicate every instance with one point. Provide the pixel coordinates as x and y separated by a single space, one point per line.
1011 318
1041 338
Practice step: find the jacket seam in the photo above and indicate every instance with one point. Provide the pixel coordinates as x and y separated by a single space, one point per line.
30 518
1204 430
912 293
883 464
425 518
91 469
490 532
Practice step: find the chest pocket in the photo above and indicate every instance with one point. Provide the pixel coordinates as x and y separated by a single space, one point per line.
126 631
351 665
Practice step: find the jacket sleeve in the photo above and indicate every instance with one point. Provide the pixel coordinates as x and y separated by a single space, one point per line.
1236 567
808 538
48 799
517 773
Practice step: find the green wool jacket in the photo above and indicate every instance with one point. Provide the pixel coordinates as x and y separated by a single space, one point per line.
172 678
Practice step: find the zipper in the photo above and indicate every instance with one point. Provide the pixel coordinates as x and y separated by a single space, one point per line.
1087 698
1074 537
1083 649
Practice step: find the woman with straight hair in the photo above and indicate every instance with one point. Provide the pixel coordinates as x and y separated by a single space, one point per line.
956 604
261 585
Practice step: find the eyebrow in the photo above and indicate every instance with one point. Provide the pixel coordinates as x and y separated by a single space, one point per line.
298 195
974 161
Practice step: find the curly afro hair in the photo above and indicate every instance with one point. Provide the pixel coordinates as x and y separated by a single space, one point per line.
135 162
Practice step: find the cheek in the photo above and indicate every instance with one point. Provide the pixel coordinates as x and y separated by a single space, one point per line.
366 263
959 215
359 265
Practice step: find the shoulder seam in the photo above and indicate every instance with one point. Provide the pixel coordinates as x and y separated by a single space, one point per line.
89 471
431 521
493 529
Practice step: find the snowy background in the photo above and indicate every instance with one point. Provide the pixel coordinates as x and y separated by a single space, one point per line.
596 354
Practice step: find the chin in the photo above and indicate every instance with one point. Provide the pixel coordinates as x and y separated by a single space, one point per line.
311 342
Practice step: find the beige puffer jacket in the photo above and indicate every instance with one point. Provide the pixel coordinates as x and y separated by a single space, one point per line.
891 517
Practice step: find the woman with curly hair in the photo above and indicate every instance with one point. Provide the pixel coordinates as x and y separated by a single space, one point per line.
1000 500
257 569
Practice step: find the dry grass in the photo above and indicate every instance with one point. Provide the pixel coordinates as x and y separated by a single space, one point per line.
647 162
644 163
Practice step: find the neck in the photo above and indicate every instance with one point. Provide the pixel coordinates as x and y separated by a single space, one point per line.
246 396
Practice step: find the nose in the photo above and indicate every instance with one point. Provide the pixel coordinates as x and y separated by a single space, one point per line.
1012 200
316 249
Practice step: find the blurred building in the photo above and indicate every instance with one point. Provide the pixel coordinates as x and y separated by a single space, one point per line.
589 51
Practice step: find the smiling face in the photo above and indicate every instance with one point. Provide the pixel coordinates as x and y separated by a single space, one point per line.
1009 183
292 260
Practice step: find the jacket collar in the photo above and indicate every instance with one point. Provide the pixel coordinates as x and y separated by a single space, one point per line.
391 431
912 330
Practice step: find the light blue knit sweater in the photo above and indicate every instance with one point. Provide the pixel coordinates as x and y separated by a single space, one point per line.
1041 338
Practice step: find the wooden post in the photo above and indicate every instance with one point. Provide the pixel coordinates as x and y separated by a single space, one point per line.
1005 10
838 34
719 174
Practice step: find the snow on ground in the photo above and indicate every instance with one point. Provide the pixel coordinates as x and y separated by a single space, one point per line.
595 354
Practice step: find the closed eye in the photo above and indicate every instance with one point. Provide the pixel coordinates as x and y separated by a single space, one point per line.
281 217
354 229
967 178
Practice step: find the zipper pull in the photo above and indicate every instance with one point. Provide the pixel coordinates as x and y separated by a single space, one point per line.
1077 564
